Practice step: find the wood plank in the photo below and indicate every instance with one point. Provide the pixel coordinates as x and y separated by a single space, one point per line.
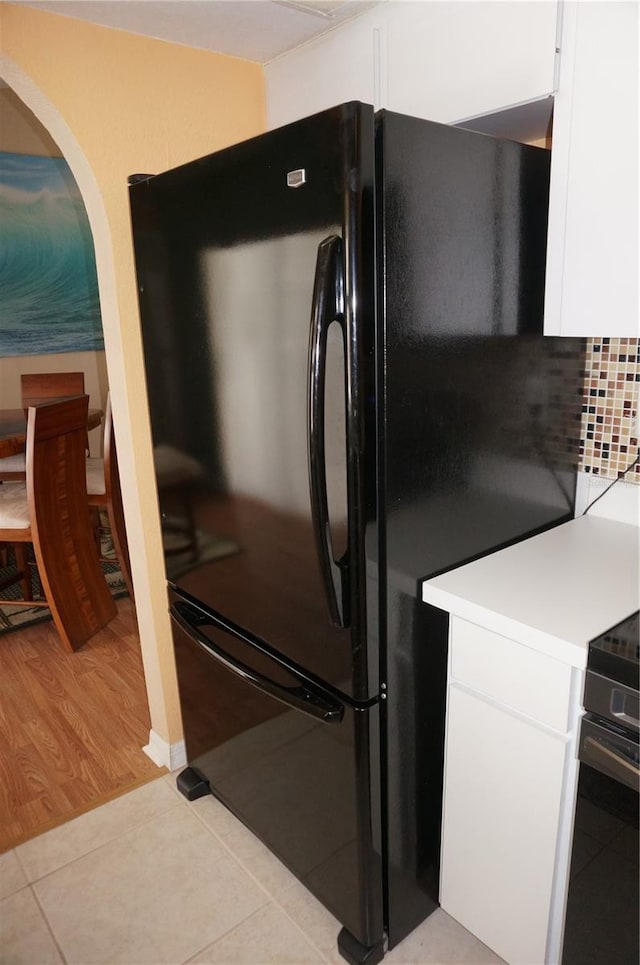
72 725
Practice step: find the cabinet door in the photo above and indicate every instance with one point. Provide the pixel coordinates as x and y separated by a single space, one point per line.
441 61
451 61
592 257
503 788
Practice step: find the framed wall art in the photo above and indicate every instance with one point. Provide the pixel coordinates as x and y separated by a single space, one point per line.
48 285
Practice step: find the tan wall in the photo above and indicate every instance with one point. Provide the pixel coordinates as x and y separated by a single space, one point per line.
20 131
119 104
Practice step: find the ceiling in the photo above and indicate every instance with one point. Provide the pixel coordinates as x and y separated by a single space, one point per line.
257 30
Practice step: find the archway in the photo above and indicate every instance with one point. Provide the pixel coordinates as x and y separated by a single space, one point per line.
164 746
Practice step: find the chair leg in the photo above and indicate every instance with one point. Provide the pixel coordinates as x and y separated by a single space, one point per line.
120 545
23 571
20 550
96 526
114 526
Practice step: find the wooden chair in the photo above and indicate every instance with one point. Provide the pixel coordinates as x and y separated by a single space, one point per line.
103 488
41 387
37 388
51 511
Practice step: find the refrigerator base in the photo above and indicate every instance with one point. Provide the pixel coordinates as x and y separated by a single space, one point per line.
356 953
192 785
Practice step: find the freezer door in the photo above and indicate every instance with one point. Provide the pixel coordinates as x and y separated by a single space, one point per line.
255 270
292 761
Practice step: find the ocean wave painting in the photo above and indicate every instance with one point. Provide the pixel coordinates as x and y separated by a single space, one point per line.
48 285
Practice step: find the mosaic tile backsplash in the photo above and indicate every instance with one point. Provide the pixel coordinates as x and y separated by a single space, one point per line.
608 431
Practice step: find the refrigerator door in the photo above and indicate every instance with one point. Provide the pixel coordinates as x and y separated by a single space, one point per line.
255 270
289 758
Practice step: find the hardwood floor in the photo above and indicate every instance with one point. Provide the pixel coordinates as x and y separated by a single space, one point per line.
72 725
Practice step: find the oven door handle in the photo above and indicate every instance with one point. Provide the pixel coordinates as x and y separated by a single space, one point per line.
600 754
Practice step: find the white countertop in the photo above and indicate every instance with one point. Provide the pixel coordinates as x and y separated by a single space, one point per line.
553 592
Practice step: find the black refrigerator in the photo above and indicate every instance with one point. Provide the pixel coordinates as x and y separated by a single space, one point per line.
349 391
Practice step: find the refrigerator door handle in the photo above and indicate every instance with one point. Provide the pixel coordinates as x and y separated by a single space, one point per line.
305 697
327 307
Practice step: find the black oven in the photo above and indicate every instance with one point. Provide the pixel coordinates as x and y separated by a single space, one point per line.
602 922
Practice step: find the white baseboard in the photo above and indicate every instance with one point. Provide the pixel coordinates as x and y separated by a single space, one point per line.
164 754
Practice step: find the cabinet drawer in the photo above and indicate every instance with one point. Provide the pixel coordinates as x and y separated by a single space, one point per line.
531 683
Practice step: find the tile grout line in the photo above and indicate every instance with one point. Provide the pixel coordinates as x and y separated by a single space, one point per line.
272 898
226 847
21 865
308 937
229 932
110 841
48 925
173 807
192 810
98 847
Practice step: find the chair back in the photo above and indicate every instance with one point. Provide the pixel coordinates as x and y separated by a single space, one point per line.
39 387
36 388
72 578
111 477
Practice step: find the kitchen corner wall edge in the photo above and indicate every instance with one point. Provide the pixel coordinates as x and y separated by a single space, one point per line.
621 504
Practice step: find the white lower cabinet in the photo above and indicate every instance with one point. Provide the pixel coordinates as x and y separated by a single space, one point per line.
520 624
506 792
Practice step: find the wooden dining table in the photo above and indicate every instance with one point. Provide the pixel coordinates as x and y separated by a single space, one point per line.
13 429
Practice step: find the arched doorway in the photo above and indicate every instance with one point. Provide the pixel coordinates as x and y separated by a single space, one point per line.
68 754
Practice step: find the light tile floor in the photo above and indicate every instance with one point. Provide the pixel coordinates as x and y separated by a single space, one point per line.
151 878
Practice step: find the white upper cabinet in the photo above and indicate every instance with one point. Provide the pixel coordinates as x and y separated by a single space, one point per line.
450 61
443 61
592 262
